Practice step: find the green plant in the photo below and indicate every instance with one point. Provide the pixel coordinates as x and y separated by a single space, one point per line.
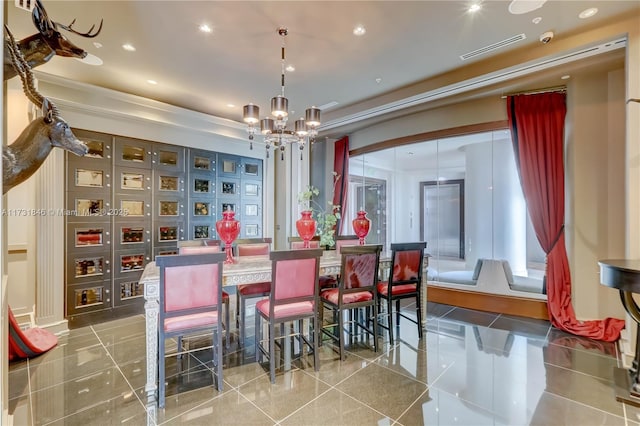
326 218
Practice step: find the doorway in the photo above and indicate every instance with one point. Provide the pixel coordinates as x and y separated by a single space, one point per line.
442 216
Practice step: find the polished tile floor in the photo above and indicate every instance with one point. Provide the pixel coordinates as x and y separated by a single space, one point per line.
471 368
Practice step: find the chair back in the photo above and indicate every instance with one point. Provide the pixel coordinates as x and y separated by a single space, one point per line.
294 276
253 247
346 240
198 249
189 284
212 242
297 243
359 268
190 243
407 259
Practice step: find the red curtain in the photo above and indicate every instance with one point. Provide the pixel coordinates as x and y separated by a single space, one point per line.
537 131
341 167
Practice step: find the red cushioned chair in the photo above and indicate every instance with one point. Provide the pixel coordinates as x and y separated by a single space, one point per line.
190 303
356 290
293 297
346 240
296 243
212 248
250 247
405 281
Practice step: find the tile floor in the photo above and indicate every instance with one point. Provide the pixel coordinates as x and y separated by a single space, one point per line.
472 368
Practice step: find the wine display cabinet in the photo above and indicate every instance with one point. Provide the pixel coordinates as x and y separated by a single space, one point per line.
130 200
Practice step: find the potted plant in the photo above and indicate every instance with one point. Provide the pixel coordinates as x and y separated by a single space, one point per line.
326 218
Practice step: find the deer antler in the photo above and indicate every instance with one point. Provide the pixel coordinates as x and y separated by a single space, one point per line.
87 34
24 71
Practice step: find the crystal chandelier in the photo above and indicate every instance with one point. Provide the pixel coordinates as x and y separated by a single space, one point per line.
274 130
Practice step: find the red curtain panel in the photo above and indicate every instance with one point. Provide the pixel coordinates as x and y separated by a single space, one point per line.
537 132
341 167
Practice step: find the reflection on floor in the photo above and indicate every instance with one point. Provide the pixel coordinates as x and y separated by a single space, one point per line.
472 368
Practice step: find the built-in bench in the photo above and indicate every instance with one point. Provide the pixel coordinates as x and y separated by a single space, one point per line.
491 276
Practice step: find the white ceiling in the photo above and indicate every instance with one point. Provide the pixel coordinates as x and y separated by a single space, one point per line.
239 62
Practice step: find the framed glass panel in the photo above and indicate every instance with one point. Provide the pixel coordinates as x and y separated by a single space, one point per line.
131 235
131 289
133 207
88 296
251 189
251 169
89 266
200 209
132 181
133 153
228 166
251 210
200 231
169 183
168 158
89 237
229 188
131 262
201 185
251 230
88 207
201 163
167 233
96 149
90 178
168 208
228 206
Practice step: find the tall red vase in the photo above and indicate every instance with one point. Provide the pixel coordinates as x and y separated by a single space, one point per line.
228 229
361 226
306 227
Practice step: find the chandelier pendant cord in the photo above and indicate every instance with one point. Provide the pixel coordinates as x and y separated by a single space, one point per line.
274 129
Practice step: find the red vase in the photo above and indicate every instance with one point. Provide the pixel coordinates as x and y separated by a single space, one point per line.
361 225
306 227
228 229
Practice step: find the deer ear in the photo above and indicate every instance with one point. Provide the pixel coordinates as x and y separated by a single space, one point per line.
47 111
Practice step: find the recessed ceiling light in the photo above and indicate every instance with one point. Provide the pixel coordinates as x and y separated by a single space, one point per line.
537 20
97 45
410 153
231 105
128 47
378 80
518 7
588 13
152 82
290 68
474 7
565 77
359 30
205 28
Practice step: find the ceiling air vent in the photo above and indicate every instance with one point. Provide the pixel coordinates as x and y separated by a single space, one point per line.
27 5
492 47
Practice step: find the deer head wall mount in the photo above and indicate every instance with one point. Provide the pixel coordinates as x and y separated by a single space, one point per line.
27 153
48 42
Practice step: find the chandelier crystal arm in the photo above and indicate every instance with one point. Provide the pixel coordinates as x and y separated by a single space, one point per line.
274 130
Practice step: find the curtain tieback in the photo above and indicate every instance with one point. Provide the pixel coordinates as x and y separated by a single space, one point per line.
555 241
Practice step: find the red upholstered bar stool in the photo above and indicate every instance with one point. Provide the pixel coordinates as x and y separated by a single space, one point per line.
405 281
250 247
296 243
293 298
199 249
357 286
190 303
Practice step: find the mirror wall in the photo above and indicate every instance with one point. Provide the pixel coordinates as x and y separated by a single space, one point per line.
462 196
